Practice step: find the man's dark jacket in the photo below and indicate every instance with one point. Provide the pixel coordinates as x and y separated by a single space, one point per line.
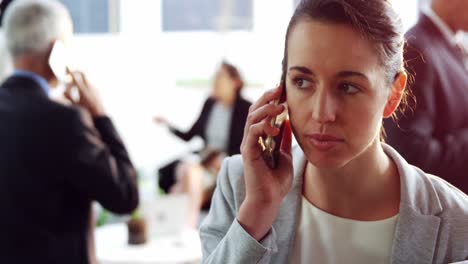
55 160
433 135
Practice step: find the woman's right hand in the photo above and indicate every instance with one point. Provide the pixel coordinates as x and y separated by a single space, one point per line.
265 187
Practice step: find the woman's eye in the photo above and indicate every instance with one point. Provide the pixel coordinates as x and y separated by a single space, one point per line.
349 88
302 83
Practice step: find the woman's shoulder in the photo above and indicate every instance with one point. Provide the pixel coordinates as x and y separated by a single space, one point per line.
209 102
453 216
452 199
440 198
427 192
425 195
243 100
429 188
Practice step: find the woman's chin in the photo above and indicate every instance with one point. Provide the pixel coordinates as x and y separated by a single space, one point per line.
326 161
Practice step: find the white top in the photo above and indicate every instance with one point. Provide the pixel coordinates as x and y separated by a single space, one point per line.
325 238
218 127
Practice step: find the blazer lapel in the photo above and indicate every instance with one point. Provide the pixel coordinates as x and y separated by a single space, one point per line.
417 228
415 238
291 206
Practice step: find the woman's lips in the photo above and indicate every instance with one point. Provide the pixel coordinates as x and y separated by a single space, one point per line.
323 142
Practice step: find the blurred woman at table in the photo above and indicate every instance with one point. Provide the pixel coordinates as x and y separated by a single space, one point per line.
221 126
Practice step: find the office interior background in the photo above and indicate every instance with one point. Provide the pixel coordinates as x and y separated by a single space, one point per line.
157 57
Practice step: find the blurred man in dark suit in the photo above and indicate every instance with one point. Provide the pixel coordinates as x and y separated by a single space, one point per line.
433 135
54 158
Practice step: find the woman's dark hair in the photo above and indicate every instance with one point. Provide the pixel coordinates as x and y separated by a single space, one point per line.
234 74
375 20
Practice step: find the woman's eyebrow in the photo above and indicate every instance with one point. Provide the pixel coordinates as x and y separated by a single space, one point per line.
344 74
341 74
302 69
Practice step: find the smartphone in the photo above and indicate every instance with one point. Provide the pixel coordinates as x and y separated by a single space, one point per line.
271 145
58 61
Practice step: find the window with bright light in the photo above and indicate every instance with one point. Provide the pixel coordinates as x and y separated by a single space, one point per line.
94 16
194 15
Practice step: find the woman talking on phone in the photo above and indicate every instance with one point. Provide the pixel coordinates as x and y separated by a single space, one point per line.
342 195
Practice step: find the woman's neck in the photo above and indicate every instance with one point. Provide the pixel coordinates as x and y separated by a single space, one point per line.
227 101
367 189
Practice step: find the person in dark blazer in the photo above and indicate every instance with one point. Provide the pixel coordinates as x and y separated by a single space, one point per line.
226 92
55 159
433 133
221 126
240 108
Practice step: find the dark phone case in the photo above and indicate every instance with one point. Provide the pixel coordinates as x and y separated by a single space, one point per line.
271 157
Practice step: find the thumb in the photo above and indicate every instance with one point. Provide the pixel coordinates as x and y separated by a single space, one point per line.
67 92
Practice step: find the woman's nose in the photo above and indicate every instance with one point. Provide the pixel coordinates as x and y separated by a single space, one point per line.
323 107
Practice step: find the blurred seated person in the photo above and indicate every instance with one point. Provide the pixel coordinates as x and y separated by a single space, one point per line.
221 126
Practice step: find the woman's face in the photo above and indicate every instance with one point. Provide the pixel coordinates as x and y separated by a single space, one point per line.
336 92
224 85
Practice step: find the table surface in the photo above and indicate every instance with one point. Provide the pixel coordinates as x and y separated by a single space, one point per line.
112 247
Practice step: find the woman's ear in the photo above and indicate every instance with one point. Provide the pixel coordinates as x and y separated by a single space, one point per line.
398 89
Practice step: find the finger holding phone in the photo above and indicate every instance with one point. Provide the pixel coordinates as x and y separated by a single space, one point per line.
78 90
265 186
88 97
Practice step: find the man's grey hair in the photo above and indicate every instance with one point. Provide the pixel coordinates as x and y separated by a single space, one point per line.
32 25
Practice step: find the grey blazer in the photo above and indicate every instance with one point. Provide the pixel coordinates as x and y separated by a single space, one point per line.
432 226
